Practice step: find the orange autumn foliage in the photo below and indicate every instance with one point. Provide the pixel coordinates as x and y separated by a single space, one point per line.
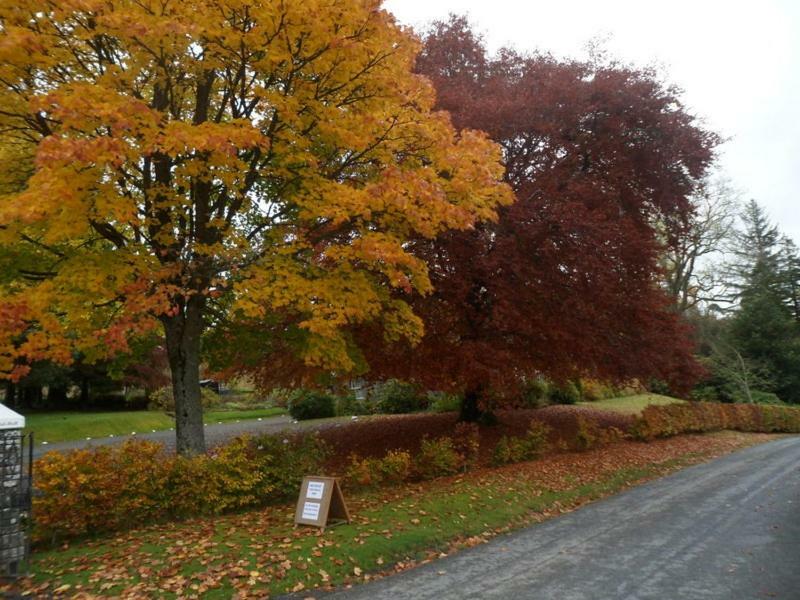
698 417
112 488
195 161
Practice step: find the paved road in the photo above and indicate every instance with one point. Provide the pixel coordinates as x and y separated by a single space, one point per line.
215 433
725 530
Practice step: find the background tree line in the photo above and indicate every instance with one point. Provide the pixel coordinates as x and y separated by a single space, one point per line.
746 316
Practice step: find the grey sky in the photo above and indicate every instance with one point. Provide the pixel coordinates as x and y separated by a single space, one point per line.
738 62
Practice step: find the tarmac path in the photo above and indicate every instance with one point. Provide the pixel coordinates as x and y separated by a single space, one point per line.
725 530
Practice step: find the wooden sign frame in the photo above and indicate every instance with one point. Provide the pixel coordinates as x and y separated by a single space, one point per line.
321 503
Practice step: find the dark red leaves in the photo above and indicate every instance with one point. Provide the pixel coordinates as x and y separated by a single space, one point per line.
603 159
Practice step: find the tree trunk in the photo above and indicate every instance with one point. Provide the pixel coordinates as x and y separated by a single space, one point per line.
30 397
9 399
84 399
183 333
470 406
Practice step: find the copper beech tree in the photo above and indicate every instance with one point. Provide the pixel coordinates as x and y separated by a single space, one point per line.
603 160
199 159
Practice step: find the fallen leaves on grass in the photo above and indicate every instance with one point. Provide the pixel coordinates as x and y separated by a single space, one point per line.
254 554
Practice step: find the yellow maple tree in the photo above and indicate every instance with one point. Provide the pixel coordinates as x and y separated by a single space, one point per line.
198 158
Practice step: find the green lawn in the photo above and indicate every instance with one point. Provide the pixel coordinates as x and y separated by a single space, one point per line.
66 426
226 416
631 405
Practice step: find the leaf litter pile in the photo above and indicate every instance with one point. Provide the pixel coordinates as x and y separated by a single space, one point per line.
259 553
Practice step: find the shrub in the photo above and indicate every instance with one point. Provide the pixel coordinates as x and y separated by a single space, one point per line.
361 472
780 419
467 442
395 397
441 402
631 388
593 390
136 399
658 386
566 393
279 397
562 419
110 488
588 435
535 393
311 404
285 461
350 405
612 435
376 436
758 397
163 400
92 490
437 457
705 393
236 476
507 450
537 437
393 468
519 449
696 417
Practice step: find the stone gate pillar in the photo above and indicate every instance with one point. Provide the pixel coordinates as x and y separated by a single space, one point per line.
14 493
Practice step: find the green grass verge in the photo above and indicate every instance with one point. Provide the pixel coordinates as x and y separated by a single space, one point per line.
68 426
226 416
631 405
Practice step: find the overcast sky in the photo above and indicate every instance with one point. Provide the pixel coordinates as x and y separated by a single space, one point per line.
738 62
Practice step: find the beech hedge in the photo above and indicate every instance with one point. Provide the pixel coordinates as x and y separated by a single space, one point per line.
113 488
698 417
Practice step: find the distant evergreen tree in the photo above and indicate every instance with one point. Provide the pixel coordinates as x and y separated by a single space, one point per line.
756 253
791 270
765 328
